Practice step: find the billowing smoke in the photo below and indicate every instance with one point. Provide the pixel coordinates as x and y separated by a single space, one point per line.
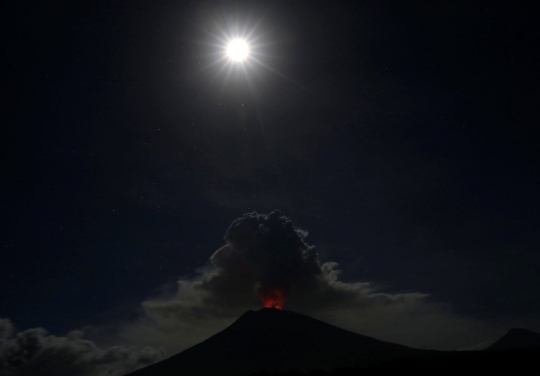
266 257
273 250
34 352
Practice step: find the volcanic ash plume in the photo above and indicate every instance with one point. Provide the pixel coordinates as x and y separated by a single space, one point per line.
273 250
265 257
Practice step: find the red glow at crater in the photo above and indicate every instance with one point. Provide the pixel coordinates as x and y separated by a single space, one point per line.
273 297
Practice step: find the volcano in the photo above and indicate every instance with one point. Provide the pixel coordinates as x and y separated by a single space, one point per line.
273 340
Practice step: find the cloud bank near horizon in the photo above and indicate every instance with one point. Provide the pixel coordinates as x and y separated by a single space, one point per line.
35 352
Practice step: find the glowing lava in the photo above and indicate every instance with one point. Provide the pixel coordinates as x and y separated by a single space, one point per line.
273 297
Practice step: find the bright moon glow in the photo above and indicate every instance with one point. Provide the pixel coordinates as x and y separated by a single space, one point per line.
237 50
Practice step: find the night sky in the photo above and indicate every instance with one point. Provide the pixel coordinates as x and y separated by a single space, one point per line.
403 136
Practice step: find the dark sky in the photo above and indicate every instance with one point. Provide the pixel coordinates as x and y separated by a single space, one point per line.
402 135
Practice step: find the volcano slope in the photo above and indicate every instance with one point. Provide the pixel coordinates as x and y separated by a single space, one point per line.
275 341
517 339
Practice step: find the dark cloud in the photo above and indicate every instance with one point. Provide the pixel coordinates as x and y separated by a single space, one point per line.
269 249
35 352
264 252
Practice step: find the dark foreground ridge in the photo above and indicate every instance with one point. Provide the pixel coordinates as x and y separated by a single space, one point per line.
451 363
271 340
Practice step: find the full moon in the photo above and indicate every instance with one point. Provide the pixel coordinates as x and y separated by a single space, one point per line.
237 50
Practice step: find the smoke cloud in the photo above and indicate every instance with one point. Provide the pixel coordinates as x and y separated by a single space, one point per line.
270 249
266 257
34 352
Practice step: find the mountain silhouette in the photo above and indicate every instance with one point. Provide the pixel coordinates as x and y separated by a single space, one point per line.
517 339
272 340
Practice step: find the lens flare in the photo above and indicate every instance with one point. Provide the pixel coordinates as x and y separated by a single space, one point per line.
273 297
